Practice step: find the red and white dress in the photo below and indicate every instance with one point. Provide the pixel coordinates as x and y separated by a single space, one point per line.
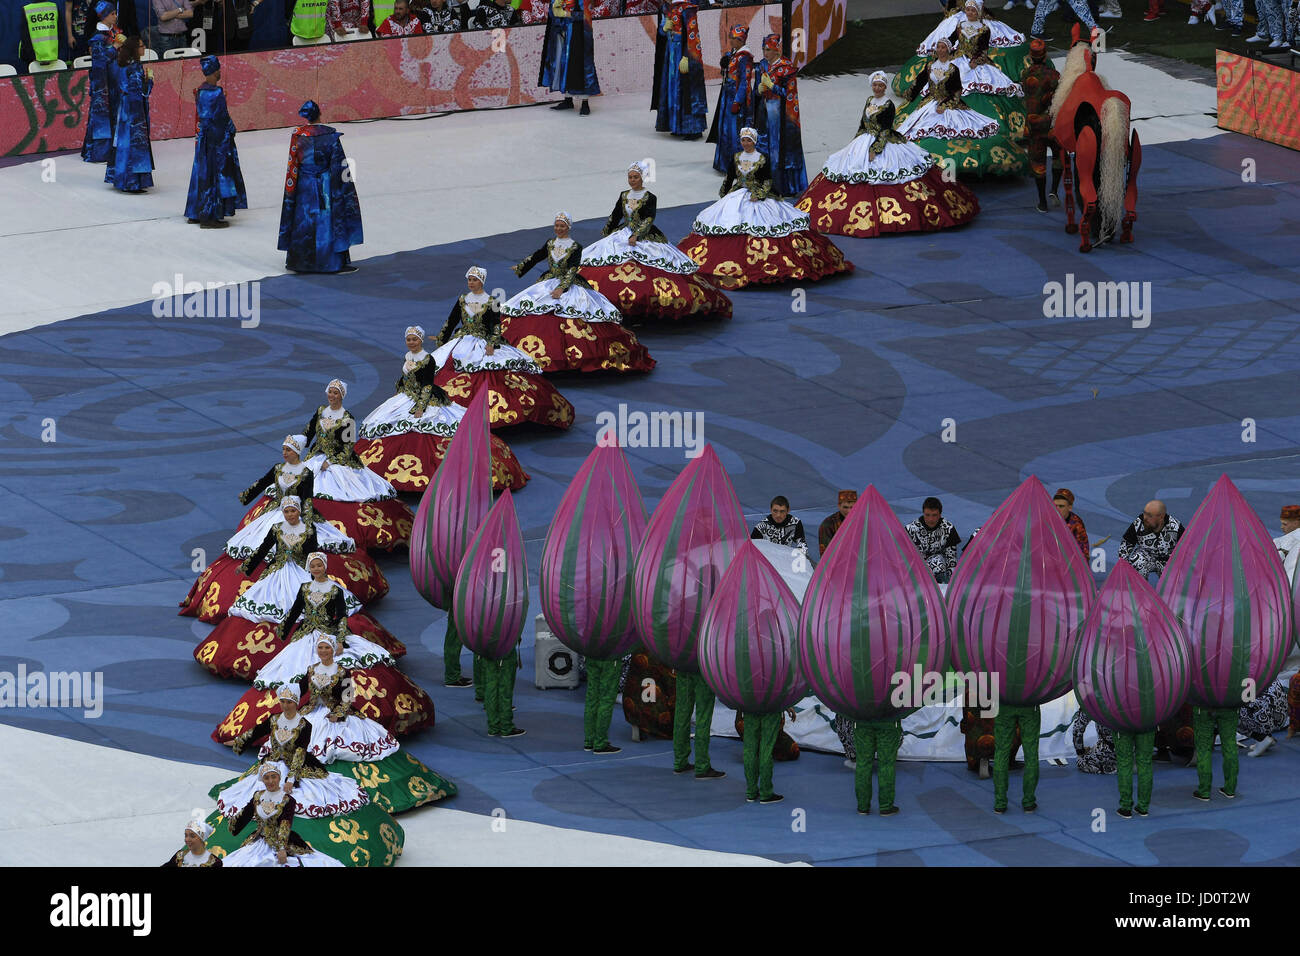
746 237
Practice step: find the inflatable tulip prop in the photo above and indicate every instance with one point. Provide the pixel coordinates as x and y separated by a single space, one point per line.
689 541
589 557
872 615
453 506
1226 583
1131 669
748 646
1019 599
490 602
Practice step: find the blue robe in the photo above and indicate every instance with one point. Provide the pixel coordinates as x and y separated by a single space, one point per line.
568 57
737 93
130 167
320 217
776 117
678 98
216 183
100 117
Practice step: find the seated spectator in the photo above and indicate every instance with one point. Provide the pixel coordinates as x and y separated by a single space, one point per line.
781 527
347 16
1064 501
491 15
1150 540
833 522
439 16
171 25
936 538
401 23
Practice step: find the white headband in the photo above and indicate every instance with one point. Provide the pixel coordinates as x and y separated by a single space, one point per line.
750 133
477 272
296 442
415 330
340 385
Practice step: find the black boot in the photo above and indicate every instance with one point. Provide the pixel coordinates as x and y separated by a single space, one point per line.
567 104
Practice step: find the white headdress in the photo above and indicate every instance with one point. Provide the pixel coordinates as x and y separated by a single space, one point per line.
565 216
476 272
288 692
340 385
296 442
329 639
880 76
266 768
642 166
415 330
317 554
748 132
198 825
289 500
977 4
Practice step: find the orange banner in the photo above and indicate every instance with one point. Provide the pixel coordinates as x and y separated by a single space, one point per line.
1258 99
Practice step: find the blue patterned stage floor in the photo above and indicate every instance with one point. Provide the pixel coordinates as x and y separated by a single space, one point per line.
160 422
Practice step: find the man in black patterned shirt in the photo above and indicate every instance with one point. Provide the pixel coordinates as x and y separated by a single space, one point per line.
1150 540
936 538
781 527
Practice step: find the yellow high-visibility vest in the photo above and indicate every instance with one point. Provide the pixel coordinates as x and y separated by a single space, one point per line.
308 19
43 27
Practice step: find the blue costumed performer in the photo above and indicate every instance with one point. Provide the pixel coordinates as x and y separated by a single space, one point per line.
130 167
568 54
216 184
320 218
101 114
678 93
735 109
776 117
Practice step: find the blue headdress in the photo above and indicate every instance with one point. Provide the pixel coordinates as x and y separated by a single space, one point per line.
209 65
310 111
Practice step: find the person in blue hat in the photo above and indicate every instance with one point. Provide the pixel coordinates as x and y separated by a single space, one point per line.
320 218
100 117
216 183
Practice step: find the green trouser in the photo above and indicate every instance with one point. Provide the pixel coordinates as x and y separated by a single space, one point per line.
1206 721
693 696
499 694
1130 746
480 676
451 647
879 739
761 731
598 711
1028 719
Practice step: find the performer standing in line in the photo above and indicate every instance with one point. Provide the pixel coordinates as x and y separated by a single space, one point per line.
568 56
320 218
776 117
735 108
98 144
678 96
130 166
1040 81
216 183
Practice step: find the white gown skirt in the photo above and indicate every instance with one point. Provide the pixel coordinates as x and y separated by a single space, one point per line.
290 665
987 79
395 417
245 542
259 853
736 213
341 483
314 796
271 596
614 250
576 303
928 123
352 738
468 353
897 163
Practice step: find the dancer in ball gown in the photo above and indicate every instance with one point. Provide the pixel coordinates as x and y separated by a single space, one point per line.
397 783
1007 47
470 354
196 852
405 438
338 731
636 265
317 791
219 586
939 119
273 841
882 183
747 237
343 488
561 323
